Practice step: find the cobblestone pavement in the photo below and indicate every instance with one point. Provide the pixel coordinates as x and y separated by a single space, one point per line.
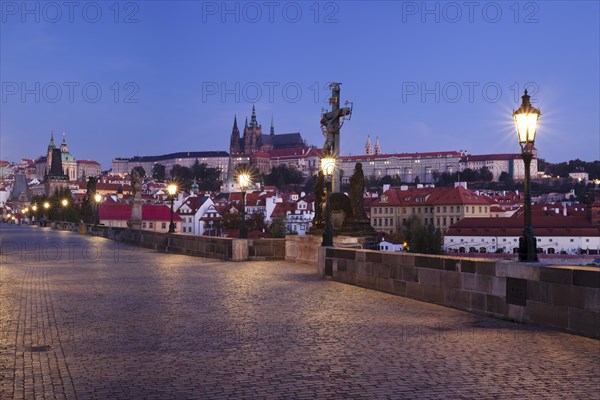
87 318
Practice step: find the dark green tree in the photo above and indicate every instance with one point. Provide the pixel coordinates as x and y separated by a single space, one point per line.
158 172
140 171
424 239
283 177
277 227
256 222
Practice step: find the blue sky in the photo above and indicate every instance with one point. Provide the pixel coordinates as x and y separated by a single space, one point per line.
146 78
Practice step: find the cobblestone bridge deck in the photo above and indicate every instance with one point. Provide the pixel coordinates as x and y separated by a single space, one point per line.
86 318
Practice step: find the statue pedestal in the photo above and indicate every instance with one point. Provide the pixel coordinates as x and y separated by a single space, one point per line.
136 214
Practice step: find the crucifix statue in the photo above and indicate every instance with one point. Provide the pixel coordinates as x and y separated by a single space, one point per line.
331 122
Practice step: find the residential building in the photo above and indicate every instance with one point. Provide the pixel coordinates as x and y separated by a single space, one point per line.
407 166
213 159
558 228
440 207
87 168
155 217
512 164
191 211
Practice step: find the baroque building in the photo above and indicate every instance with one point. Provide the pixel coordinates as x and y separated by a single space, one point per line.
69 163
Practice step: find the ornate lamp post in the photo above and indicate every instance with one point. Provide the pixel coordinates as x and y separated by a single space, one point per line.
98 200
172 190
328 167
64 203
46 207
244 181
526 119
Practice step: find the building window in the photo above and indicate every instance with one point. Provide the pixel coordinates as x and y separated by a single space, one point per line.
151 225
444 211
164 225
438 209
451 209
143 225
479 209
572 240
444 221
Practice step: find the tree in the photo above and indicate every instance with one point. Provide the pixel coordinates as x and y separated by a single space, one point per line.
230 220
89 207
207 178
311 184
57 211
277 228
140 171
256 222
282 176
486 174
424 239
158 172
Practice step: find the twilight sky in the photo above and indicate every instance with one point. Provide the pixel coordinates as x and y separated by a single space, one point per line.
151 77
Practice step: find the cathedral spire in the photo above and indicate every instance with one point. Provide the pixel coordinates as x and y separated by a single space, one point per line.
272 132
234 144
368 146
51 139
377 146
253 123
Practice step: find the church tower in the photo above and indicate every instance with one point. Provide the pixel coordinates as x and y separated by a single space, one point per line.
377 146
252 134
51 146
368 146
234 145
272 131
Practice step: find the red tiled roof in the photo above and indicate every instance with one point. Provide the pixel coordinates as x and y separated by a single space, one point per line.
543 225
432 196
150 212
260 154
492 157
289 153
281 209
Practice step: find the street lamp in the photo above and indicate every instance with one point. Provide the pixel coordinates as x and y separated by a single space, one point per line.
172 190
526 119
98 200
64 203
328 167
244 181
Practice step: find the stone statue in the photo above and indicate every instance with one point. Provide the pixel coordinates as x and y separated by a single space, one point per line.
357 189
136 183
331 123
